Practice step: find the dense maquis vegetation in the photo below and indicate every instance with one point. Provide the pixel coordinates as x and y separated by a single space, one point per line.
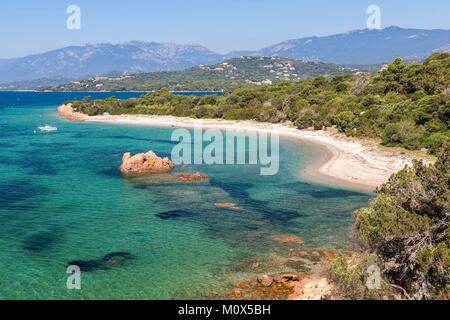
405 230
243 71
403 105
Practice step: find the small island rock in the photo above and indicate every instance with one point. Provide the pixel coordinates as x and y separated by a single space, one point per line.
145 163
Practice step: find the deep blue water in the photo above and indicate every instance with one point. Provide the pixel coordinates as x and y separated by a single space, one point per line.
62 200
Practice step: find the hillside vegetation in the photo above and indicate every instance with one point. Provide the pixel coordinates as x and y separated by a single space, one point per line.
250 71
405 231
402 105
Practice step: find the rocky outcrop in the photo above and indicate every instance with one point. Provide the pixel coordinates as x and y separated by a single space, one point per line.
193 177
285 286
66 111
265 280
227 205
284 239
145 163
312 289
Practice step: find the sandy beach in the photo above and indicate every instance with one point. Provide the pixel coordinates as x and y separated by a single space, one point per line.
346 162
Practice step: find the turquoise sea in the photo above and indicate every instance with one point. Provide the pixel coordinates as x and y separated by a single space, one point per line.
62 200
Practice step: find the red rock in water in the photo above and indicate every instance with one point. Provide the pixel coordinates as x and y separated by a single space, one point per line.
145 163
289 239
194 177
227 205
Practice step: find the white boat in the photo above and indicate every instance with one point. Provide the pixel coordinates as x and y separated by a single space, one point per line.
47 128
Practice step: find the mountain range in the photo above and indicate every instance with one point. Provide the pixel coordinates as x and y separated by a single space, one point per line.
361 47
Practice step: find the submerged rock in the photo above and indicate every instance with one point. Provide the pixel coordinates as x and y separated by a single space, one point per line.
115 259
193 177
174 214
289 239
227 205
145 163
39 242
86 265
108 261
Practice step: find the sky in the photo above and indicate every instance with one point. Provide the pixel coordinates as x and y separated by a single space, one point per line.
30 26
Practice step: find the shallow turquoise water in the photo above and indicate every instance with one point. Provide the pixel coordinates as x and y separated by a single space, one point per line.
62 199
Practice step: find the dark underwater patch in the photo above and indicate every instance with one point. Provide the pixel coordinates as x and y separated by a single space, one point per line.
239 190
8 161
122 137
14 132
38 167
281 215
15 191
86 266
108 261
335 193
112 172
50 146
174 214
149 140
236 190
6 145
39 241
297 186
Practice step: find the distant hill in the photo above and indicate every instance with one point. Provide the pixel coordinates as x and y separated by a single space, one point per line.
362 47
253 71
100 59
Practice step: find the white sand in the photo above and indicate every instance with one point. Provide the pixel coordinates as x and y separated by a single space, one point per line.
346 162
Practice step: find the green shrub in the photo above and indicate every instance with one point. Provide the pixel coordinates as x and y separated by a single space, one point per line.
351 274
434 262
343 120
404 133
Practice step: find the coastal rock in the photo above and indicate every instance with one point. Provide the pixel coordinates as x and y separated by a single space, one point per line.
283 278
315 253
192 177
289 239
312 289
265 280
227 205
66 111
330 256
302 254
255 265
145 163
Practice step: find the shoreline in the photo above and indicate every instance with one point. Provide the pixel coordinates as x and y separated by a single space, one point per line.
343 161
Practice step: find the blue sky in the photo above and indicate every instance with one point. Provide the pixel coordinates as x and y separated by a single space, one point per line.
30 26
